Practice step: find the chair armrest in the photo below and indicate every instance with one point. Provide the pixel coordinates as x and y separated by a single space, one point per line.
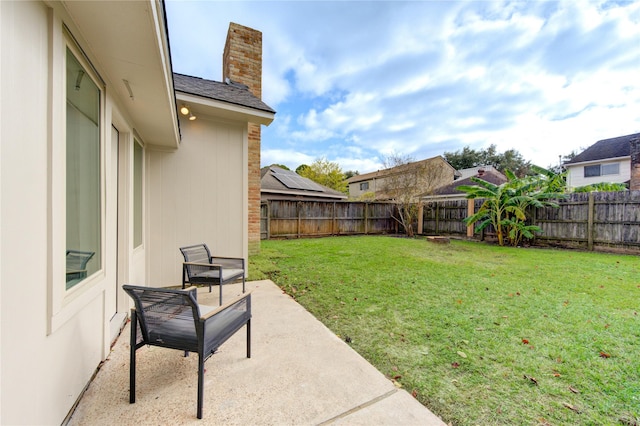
201 264
225 306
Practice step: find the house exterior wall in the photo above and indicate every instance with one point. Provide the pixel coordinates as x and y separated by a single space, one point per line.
575 175
197 194
356 192
51 340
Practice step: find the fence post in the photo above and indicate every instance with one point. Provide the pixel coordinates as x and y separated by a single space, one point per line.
299 211
420 219
334 220
366 217
590 215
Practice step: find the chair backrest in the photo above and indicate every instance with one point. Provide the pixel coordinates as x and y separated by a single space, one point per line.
198 253
78 260
166 317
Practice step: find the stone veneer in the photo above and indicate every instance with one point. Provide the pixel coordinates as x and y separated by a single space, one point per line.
242 63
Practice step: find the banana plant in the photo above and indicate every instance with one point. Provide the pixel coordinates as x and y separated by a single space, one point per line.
505 206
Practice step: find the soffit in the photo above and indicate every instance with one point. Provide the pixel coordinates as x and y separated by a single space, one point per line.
127 40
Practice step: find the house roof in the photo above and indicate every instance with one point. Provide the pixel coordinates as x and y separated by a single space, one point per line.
275 180
490 175
229 92
398 169
606 148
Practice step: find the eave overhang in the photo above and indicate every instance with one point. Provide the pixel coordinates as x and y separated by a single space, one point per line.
225 110
128 41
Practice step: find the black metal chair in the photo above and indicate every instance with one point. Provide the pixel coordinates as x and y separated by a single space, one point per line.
174 319
200 267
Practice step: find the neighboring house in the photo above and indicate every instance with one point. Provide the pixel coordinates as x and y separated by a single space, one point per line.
96 158
608 160
438 172
451 191
474 171
281 184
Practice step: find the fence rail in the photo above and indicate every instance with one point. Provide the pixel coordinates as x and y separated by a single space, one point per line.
593 221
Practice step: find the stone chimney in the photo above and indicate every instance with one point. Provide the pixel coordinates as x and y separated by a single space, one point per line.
242 63
634 183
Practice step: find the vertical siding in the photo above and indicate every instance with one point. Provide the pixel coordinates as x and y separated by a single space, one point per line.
197 194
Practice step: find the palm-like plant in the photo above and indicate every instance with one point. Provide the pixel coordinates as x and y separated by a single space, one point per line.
505 206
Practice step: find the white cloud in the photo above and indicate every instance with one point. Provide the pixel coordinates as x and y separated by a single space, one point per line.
355 81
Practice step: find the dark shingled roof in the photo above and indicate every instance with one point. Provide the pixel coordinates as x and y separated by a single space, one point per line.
231 92
606 148
491 176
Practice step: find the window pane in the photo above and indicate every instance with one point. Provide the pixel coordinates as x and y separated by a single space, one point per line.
611 169
137 194
83 174
590 171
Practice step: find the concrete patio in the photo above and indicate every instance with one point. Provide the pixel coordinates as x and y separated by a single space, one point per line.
300 373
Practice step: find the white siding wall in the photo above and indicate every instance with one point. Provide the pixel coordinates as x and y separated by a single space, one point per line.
51 341
575 177
197 194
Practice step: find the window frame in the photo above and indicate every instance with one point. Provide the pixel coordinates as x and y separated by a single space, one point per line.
63 304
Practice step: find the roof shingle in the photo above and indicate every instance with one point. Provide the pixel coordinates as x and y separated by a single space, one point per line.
234 93
606 148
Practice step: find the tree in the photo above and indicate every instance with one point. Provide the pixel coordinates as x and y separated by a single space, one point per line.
351 173
510 159
505 206
407 182
282 166
325 173
301 168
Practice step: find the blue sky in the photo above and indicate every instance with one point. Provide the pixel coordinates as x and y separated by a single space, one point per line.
355 81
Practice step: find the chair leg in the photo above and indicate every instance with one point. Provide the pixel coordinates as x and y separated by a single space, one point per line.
249 339
132 357
220 292
243 280
200 384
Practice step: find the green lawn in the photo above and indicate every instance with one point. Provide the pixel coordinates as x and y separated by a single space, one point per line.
480 334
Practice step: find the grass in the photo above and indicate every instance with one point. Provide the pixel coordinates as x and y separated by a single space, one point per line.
480 334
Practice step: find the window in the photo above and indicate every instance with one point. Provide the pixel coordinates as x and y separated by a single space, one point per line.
590 171
83 189
364 186
610 169
602 170
137 194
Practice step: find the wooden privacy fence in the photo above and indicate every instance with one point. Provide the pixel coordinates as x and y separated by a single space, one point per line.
593 221
297 219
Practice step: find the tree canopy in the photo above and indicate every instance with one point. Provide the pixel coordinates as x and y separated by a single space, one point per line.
325 173
508 160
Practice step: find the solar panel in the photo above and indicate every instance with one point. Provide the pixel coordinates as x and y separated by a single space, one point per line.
293 180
